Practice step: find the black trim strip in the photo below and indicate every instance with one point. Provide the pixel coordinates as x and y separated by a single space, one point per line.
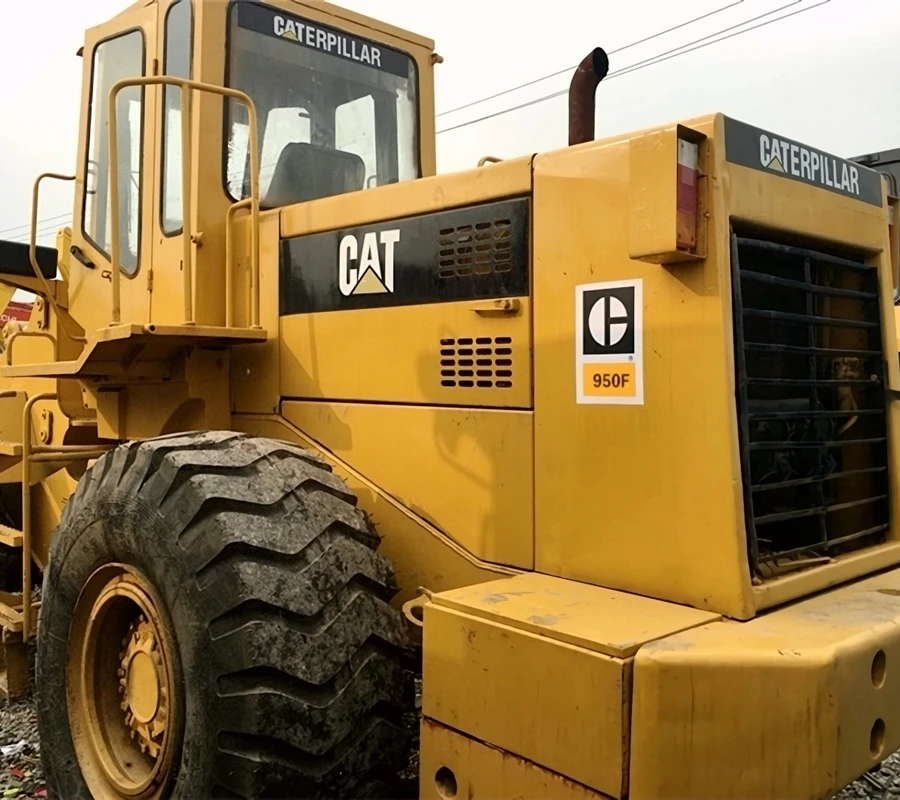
397 403
15 260
474 253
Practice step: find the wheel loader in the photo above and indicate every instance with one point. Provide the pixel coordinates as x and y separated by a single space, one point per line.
573 475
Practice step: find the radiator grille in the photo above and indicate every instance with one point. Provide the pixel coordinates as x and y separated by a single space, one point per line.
483 363
481 248
811 404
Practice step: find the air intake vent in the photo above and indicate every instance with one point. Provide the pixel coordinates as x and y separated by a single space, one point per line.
811 404
482 363
481 248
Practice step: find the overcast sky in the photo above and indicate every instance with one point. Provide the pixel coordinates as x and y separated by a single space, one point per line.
826 76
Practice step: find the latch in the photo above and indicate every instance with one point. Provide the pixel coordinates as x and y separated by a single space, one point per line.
507 306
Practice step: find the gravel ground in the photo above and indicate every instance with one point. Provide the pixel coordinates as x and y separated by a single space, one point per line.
881 785
21 776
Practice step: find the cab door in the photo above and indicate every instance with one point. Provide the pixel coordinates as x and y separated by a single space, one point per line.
122 48
175 54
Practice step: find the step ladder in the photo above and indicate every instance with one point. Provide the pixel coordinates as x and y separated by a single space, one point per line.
18 611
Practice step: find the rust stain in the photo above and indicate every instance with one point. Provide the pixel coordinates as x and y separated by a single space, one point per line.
547 620
501 597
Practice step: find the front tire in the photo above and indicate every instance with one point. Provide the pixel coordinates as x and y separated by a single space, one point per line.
257 597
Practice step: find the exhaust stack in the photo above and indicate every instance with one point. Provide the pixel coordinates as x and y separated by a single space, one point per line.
582 105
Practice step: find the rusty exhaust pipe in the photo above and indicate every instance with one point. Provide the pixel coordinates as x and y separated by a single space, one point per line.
582 104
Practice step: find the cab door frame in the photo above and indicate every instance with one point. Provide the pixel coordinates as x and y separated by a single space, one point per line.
168 248
90 278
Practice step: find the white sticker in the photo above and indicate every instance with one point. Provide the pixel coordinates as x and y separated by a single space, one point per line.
609 343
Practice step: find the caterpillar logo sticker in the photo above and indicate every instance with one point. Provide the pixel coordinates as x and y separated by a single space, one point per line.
769 152
322 38
609 343
369 268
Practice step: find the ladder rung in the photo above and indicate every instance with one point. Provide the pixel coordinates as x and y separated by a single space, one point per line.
10 617
11 449
10 536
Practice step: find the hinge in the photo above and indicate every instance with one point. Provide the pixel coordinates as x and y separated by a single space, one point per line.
155 67
149 280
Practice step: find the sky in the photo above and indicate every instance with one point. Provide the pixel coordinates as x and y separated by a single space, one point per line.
827 76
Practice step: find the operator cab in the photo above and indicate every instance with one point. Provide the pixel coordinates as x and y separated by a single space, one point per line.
344 103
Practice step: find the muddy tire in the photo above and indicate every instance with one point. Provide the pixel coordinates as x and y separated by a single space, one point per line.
294 676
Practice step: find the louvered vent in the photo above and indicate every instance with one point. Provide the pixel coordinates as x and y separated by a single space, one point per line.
479 249
811 403
483 363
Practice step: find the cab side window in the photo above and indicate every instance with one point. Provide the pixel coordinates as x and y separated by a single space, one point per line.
177 64
113 60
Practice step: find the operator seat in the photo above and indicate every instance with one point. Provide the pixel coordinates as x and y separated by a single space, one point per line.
307 172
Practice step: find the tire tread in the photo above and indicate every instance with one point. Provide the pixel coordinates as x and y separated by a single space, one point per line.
310 663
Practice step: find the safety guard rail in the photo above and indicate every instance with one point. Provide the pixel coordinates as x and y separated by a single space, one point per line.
32 255
187 87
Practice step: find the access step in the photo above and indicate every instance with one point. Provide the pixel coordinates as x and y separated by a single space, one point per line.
14 672
126 350
10 450
10 536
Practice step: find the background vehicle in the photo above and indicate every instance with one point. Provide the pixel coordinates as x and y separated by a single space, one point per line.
886 162
602 441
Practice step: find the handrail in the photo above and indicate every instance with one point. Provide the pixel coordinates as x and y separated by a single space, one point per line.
229 261
42 334
41 454
26 509
32 252
187 87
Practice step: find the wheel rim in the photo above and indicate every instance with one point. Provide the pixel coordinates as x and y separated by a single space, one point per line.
121 685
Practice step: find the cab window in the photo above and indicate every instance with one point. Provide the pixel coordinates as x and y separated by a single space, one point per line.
177 64
113 60
337 112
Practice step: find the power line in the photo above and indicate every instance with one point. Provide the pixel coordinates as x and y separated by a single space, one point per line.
49 230
632 68
697 44
43 227
666 57
657 59
569 69
53 229
27 225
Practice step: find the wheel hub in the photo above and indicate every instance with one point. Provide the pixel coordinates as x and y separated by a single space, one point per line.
142 682
121 684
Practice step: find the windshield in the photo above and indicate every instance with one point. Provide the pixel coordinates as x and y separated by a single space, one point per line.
337 113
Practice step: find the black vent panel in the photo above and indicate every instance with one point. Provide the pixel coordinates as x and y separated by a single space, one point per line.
811 404
480 248
482 363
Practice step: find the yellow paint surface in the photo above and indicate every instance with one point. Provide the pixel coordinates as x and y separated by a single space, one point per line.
482 772
809 687
484 455
604 621
421 554
562 707
394 355
541 667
